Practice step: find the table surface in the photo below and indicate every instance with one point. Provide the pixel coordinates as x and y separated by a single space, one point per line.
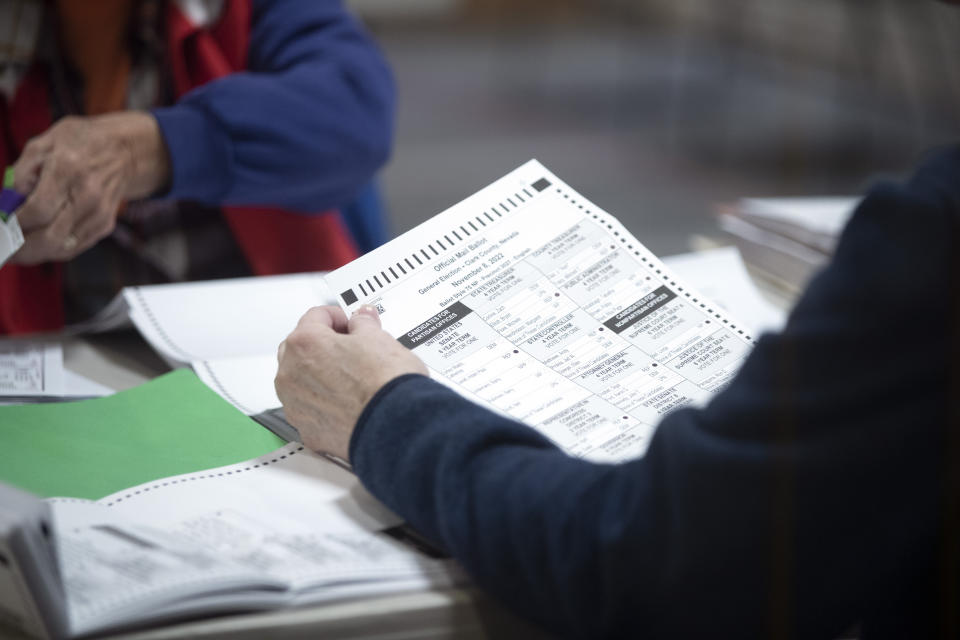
122 360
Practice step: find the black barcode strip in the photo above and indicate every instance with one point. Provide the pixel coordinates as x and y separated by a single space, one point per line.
496 209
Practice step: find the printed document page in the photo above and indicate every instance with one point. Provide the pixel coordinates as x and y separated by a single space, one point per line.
285 527
228 330
231 318
30 369
529 299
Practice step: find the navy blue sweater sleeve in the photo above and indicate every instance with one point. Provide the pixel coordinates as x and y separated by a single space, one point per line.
304 128
809 495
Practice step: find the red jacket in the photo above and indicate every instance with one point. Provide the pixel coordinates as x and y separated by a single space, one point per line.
273 241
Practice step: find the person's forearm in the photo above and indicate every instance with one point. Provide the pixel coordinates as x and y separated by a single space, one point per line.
304 128
149 168
529 523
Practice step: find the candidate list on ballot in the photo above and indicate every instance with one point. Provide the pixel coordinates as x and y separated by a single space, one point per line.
530 300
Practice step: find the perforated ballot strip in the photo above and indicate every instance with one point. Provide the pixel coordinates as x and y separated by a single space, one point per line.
529 299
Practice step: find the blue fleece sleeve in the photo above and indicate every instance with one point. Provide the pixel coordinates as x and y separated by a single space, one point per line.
304 128
808 496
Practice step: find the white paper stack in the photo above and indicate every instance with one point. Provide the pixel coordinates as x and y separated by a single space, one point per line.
228 331
787 239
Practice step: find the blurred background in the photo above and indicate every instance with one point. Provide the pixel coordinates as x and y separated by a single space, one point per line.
659 110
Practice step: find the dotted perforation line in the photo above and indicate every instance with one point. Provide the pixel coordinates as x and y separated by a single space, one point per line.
70 501
158 485
665 276
224 392
160 330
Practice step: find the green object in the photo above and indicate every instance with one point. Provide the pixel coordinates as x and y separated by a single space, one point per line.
171 425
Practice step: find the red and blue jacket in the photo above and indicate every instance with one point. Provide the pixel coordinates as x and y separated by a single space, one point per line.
283 111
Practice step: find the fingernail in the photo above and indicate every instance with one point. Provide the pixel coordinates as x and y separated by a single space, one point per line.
368 309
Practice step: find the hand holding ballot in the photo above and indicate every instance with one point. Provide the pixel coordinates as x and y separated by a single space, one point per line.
78 174
330 368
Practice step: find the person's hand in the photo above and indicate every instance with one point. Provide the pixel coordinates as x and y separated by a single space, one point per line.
331 367
78 173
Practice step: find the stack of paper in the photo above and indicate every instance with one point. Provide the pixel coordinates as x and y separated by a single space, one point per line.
227 330
30 370
787 239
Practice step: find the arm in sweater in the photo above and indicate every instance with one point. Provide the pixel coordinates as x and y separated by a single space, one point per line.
304 128
807 496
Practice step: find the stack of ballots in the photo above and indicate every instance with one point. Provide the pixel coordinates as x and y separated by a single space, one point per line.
786 240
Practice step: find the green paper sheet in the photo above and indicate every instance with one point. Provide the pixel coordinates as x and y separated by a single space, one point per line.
171 425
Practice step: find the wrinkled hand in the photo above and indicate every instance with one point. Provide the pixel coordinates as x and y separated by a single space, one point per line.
78 173
331 367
